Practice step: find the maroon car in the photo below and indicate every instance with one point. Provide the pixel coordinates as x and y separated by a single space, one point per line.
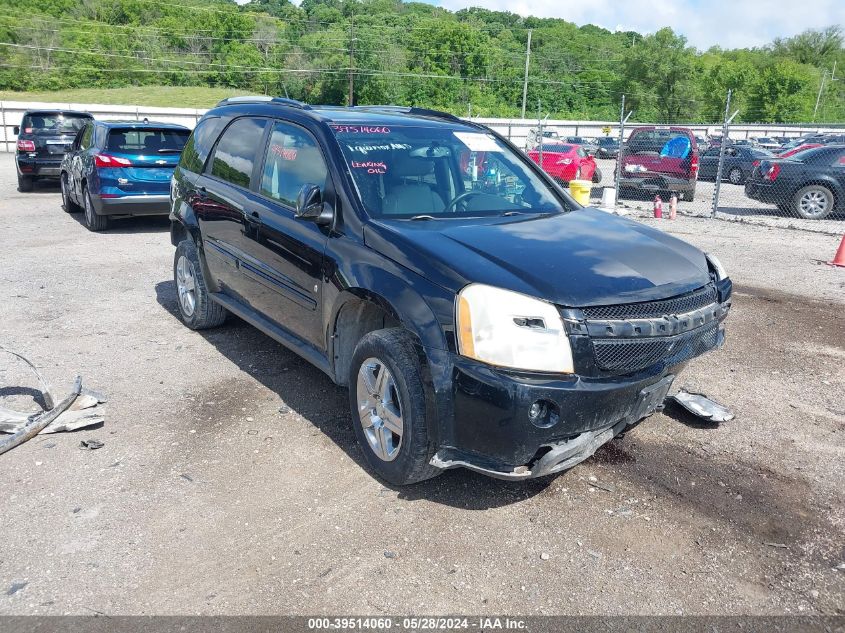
660 160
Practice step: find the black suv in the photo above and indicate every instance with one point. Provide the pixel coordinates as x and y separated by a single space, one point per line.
478 315
43 138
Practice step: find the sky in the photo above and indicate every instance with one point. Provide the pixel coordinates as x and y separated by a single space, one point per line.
705 23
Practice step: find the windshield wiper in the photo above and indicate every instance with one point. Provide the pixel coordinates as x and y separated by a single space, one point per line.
509 213
423 217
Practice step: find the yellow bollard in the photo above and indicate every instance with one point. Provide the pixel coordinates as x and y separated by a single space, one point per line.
580 190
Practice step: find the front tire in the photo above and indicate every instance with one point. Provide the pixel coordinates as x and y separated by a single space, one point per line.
814 202
24 183
387 400
196 308
597 176
93 220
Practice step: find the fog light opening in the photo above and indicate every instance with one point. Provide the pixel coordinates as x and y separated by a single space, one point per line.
543 414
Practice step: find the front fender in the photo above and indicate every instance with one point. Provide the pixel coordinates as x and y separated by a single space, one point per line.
423 308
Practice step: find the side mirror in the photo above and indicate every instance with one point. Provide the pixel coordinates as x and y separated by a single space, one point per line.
310 206
16 130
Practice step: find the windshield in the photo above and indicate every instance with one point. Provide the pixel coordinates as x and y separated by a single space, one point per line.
441 172
53 123
607 141
146 140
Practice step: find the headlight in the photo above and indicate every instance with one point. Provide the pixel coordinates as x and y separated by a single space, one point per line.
512 330
720 271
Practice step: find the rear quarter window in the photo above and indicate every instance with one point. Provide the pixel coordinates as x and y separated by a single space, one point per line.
199 145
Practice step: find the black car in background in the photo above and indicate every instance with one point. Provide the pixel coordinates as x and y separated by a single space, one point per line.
43 138
810 184
608 147
739 162
478 315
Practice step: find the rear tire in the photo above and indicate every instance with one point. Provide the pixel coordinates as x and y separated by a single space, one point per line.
196 307
93 220
813 202
735 176
24 183
67 203
387 401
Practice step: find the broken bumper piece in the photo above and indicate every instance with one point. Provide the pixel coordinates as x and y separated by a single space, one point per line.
559 457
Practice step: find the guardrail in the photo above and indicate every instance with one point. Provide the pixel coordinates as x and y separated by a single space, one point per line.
11 113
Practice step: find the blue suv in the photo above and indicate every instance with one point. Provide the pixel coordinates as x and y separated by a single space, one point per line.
121 169
478 315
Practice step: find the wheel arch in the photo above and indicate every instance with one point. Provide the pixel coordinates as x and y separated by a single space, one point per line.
358 310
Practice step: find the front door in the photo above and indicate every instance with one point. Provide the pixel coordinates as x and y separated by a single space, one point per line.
285 255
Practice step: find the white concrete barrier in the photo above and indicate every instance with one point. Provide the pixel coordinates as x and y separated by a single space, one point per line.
11 113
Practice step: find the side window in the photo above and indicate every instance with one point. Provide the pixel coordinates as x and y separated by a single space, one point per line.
234 156
198 147
293 159
85 139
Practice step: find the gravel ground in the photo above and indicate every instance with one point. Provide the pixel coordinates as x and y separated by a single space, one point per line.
230 481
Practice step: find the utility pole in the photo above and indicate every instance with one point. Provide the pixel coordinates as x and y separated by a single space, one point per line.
819 97
720 168
352 60
525 81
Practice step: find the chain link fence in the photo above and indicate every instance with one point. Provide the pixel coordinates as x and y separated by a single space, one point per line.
790 176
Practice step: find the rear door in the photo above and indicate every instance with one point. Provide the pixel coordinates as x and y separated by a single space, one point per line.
224 205
284 258
78 159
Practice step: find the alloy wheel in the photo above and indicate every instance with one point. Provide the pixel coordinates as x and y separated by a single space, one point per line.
814 203
186 286
379 410
735 176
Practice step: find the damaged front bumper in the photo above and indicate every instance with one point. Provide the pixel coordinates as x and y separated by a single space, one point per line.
581 416
519 425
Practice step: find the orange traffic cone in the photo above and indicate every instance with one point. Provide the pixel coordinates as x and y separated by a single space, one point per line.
839 258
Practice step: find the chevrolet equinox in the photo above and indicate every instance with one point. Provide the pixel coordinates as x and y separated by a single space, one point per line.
478 316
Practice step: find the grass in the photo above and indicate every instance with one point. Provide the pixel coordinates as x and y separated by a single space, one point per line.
167 96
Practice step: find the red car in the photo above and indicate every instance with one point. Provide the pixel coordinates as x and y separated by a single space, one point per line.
567 162
800 148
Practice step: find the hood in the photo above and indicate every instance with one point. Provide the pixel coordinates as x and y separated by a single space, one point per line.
581 258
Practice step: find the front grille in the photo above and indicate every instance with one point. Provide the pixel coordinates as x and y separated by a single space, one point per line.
632 354
655 309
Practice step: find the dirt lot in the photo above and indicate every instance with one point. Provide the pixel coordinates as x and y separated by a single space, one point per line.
230 481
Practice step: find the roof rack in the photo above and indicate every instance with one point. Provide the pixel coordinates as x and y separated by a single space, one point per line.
409 110
264 99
